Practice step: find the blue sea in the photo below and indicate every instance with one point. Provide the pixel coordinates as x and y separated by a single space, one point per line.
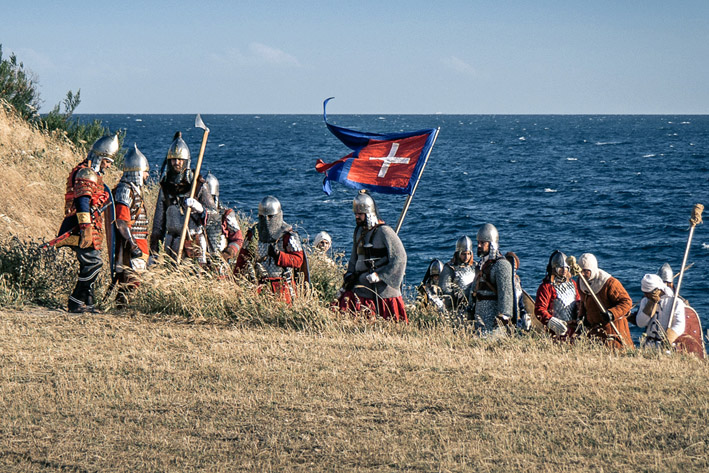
621 187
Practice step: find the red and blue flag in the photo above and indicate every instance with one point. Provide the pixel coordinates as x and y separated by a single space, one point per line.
387 163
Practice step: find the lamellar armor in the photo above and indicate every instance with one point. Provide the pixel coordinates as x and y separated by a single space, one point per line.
84 182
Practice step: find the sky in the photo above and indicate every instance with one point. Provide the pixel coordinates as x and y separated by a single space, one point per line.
375 57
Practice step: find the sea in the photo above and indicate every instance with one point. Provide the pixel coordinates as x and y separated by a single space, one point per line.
619 186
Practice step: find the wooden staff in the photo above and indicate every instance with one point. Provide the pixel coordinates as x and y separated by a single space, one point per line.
694 220
199 124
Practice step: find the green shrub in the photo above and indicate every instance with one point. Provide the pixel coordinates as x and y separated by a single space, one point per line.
33 275
18 88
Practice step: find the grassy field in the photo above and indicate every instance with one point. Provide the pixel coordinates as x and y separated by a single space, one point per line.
130 393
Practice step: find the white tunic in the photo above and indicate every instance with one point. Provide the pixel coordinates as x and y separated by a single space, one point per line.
653 332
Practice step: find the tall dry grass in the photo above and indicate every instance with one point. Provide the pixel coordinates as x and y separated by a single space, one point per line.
107 393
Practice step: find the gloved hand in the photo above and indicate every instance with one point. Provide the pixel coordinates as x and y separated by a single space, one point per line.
194 204
273 252
372 278
607 316
135 251
558 326
86 237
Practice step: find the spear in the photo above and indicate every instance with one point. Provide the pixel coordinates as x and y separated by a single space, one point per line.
198 123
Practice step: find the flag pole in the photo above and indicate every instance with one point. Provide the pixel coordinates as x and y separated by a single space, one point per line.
413 191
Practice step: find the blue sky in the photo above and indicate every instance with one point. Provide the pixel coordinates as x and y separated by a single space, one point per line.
380 57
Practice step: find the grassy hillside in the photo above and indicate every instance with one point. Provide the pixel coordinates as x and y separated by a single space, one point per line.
202 373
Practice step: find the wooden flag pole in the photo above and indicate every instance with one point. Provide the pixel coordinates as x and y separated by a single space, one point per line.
413 191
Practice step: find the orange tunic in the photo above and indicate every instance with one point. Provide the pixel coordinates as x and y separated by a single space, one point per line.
615 299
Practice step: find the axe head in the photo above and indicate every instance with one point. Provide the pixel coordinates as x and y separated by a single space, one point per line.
200 124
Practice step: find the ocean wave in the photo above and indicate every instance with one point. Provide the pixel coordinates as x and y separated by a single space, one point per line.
572 159
522 138
649 155
550 190
705 246
608 143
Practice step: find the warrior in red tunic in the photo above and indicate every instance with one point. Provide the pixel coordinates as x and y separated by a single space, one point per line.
131 223
84 203
557 303
376 267
272 251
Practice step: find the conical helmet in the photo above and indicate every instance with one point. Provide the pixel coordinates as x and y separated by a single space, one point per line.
435 267
464 243
363 203
103 149
134 165
213 186
666 273
179 149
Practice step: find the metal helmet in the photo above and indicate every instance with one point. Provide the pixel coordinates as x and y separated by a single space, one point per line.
269 207
213 186
488 232
134 165
179 149
103 149
363 203
270 219
666 273
435 267
557 260
464 243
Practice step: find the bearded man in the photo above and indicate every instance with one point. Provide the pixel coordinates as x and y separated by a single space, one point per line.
376 266
458 274
172 203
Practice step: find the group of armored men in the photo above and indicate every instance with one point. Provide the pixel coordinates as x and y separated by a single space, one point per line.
485 294
573 299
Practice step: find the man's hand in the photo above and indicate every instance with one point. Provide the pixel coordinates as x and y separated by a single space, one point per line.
86 237
607 316
372 278
194 205
135 251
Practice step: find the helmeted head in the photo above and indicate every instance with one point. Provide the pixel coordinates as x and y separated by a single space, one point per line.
464 249
434 271
178 155
135 166
488 240
364 205
213 186
322 241
557 267
666 274
270 219
102 152
589 266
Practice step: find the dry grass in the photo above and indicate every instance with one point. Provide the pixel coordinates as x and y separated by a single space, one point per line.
217 379
34 166
108 393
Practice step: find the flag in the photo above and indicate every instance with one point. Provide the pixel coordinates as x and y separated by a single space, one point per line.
387 163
